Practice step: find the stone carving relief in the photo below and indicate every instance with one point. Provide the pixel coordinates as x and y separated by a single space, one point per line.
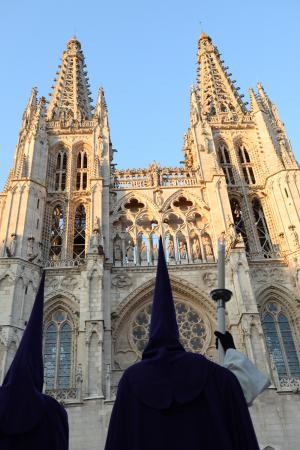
261 276
9 335
125 358
8 276
158 198
67 283
91 327
210 279
121 281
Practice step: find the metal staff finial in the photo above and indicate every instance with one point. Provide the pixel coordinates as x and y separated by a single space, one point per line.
221 295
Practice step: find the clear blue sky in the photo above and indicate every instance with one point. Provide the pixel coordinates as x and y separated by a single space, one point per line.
144 55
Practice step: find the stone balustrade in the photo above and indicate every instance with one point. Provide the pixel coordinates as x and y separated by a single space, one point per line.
54 263
154 176
57 124
68 395
289 384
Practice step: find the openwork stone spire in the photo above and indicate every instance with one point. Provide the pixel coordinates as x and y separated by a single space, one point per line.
101 107
71 95
30 108
218 95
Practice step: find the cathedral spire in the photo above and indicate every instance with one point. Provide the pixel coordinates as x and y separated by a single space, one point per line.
264 98
101 108
30 109
71 95
255 102
218 95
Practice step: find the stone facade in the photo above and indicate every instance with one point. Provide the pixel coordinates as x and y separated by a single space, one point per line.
95 229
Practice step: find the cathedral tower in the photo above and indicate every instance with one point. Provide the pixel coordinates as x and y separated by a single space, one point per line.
54 214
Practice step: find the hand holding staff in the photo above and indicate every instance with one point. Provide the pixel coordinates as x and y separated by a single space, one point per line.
221 295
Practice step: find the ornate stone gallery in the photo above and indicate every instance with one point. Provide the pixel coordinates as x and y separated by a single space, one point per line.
184 224
95 229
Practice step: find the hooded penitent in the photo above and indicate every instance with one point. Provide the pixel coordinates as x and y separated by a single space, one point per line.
30 419
175 400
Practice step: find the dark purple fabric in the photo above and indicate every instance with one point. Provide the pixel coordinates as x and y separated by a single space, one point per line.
217 419
24 409
174 400
163 325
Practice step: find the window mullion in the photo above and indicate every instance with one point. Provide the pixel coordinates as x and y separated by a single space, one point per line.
57 357
282 347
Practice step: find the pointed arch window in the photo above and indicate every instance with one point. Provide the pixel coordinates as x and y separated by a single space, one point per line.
280 341
82 170
238 220
224 160
246 165
58 351
262 228
56 235
61 171
79 233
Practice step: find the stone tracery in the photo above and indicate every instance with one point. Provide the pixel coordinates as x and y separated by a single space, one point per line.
184 226
192 328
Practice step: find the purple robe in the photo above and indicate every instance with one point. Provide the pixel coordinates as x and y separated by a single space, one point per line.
29 419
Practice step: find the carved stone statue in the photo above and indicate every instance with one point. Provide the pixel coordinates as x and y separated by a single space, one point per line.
153 172
189 160
158 198
39 256
182 250
130 252
117 251
155 252
171 250
11 248
36 256
295 237
96 242
207 246
30 247
143 251
282 243
196 252
231 236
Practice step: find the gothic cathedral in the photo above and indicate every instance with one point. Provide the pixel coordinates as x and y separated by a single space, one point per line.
95 229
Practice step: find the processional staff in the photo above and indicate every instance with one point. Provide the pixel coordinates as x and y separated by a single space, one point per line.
221 295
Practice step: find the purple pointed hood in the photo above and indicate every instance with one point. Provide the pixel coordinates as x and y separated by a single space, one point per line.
21 398
167 373
164 332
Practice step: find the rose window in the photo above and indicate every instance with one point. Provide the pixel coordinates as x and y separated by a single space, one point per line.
192 329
